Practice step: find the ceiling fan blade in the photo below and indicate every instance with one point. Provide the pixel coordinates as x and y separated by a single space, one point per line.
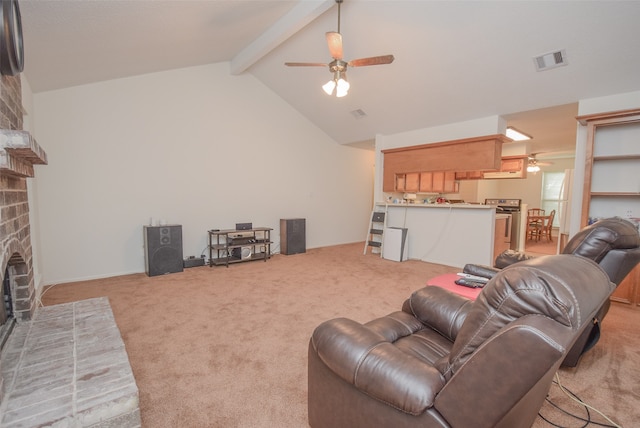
334 40
306 64
374 60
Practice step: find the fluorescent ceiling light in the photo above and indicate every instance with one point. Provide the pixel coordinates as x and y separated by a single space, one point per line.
516 135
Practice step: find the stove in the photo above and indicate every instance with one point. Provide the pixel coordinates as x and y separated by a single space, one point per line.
512 207
506 206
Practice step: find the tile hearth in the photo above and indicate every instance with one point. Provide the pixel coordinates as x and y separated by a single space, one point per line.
68 367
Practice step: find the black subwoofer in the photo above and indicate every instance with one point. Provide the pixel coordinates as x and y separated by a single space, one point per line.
293 236
162 249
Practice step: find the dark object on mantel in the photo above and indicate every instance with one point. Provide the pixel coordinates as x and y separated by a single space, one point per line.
11 47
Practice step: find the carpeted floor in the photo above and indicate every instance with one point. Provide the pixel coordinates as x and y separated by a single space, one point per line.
227 347
543 246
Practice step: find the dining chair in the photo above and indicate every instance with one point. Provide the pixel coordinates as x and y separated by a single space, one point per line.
546 227
534 224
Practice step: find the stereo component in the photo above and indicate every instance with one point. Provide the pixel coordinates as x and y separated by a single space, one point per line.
163 249
293 236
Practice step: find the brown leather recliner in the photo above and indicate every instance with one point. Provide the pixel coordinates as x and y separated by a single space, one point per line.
613 243
446 361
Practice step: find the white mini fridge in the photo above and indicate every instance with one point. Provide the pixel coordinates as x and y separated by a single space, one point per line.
394 244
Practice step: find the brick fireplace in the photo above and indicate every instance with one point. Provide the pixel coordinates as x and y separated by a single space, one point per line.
35 389
18 154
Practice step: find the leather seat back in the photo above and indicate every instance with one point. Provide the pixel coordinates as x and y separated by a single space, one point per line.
535 287
596 240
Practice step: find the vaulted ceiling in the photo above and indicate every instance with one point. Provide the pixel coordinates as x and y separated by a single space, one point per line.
454 60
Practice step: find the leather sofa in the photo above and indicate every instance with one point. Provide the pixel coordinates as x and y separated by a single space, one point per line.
613 243
446 361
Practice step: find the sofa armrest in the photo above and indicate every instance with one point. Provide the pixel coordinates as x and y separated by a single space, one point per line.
440 309
365 359
618 263
510 350
509 257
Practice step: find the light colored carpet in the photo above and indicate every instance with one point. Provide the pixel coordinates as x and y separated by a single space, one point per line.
227 347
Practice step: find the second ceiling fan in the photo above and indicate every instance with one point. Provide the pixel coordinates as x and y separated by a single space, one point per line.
339 66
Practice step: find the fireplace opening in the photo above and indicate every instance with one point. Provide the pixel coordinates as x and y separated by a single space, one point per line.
7 317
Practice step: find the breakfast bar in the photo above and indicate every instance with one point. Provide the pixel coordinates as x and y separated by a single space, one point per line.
448 234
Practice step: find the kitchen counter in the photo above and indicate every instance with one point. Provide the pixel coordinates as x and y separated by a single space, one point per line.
448 234
424 205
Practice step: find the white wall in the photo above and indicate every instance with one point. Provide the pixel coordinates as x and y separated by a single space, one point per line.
32 188
196 147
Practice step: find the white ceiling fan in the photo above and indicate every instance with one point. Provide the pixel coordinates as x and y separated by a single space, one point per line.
534 165
339 66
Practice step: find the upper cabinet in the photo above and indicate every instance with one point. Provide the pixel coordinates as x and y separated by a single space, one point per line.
611 181
426 182
510 167
443 160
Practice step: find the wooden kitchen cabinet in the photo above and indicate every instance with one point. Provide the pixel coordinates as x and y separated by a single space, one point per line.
412 182
513 164
444 182
426 181
450 183
629 291
469 175
407 182
438 182
483 153
510 167
502 236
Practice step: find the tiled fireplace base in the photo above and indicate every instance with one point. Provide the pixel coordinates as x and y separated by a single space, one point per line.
68 367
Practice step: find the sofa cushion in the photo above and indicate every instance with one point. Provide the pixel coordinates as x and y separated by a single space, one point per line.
363 357
439 309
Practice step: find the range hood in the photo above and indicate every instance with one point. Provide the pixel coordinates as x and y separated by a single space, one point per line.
502 174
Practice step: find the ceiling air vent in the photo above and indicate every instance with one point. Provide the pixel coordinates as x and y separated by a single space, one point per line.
550 60
359 113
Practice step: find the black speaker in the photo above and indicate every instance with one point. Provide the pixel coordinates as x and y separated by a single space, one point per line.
163 249
293 236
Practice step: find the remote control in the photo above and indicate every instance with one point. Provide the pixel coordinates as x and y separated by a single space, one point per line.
469 283
473 277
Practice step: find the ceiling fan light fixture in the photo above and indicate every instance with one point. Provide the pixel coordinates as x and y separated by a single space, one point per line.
342 87
329 86
338 66
339 83
533 168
